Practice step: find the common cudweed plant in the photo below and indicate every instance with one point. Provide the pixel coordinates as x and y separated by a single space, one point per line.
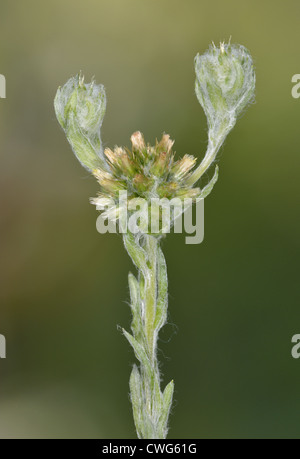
225 83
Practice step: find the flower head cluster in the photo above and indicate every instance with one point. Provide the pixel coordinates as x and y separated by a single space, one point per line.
146 171
225 81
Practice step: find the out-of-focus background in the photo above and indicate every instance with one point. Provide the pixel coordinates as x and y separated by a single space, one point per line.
234 299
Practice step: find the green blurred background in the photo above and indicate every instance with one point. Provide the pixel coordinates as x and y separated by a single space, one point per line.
234 299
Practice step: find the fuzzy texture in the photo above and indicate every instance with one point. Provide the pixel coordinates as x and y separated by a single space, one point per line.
225 82
147 173
149 304
80 109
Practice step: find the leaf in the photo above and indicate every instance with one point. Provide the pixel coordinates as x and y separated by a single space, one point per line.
140 353
208 188
142 286
136 393
135 251
143 415
136 325
162 287
134 290
166 406
158 399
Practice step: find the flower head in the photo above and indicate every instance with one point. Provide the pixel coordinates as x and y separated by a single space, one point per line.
146 171
225 82
80 110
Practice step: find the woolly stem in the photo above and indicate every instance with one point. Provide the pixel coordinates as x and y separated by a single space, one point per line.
149 309
215 141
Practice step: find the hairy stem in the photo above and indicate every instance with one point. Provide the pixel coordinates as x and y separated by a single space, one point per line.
149 310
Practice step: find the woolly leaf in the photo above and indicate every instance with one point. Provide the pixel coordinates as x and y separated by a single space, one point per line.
167 402
209 187
135 251
136 325
162 299
140 353
136 392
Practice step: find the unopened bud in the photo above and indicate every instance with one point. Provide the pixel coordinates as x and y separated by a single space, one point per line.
225 82
80 110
